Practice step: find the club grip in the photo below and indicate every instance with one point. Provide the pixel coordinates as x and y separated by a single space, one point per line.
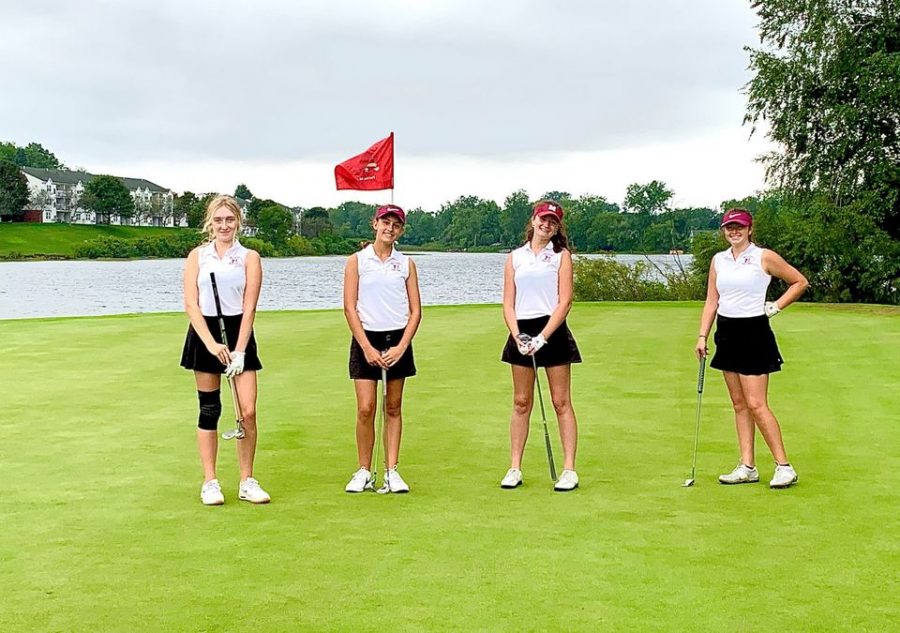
212 278
701 375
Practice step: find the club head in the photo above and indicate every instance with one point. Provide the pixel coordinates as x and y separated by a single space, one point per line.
385 489
687 483
234 434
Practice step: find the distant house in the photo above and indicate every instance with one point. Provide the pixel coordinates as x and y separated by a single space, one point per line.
55 195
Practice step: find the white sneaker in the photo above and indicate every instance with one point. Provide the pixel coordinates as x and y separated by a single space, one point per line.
360 480
394 482
568 480
512 479
211 493
784 476
251 491
740 475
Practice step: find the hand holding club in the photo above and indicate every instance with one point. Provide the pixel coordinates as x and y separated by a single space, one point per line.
236 366
536 343
522 342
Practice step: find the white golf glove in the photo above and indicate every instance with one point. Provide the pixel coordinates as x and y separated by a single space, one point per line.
522 342
537 343
772 309
236 366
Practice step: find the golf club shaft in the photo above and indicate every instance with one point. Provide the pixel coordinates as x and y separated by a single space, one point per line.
700 376
379 429
238 414
537 383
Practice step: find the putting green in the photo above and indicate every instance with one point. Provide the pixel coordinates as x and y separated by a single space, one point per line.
103 529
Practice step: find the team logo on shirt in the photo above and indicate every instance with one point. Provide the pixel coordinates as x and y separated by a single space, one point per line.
747 259
546 257
234 260
394 267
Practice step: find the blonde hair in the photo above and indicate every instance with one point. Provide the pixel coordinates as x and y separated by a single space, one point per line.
220 201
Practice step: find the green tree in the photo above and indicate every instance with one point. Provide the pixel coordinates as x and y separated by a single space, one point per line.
352 219
107 196
242 191
8 152
474 222
513 217
825 83
315 222
13 191
196 213
182 205
38 156
275 224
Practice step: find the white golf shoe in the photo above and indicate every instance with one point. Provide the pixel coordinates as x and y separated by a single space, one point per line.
568 480
512 479
211 493
251 491
740 475
360 480
394 482
784 476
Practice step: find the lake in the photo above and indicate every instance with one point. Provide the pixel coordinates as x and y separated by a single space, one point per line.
90 288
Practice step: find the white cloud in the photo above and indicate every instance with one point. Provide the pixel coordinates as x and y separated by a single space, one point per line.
485 98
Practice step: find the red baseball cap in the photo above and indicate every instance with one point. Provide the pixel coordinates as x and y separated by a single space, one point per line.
548 207
391 209
737 216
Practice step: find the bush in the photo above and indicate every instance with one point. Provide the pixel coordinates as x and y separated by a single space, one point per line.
176 245
605 279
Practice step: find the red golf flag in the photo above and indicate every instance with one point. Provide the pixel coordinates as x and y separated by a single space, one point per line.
372 170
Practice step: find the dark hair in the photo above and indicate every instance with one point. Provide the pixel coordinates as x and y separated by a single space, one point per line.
559 240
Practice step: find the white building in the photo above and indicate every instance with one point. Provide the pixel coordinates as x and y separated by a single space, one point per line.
56 194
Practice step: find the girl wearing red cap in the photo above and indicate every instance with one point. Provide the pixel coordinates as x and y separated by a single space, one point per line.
746 351
383 310
537 297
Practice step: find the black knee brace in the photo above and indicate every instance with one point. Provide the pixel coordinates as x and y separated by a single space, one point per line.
210 410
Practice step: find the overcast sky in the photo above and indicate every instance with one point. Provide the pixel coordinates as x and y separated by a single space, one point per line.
484 97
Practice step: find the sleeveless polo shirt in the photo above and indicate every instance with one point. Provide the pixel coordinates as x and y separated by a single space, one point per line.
383 302
231 277
537 281
741 282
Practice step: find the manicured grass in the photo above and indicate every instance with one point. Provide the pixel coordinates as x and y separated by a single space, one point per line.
103 529
60 240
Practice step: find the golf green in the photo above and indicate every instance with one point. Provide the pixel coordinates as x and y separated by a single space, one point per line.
103 530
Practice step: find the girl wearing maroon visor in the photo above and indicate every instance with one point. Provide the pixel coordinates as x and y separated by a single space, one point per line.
383 309
537 297
746 351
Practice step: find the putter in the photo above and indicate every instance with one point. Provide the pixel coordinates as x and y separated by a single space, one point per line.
537 382
238 431
379 436
702 372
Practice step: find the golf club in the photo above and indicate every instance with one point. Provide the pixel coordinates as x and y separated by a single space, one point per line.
537 382
702 372
238 431
379 437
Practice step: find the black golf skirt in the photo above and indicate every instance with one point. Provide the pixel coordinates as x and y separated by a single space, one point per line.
360 369
560 349
746 346
196 357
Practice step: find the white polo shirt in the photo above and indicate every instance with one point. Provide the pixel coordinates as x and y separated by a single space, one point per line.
382 302
231 277
741 282
537 281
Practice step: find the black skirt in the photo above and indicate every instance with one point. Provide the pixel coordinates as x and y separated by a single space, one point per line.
362 370
746 346
195 356
560 349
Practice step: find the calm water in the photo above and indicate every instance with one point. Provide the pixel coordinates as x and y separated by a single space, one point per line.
88 288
